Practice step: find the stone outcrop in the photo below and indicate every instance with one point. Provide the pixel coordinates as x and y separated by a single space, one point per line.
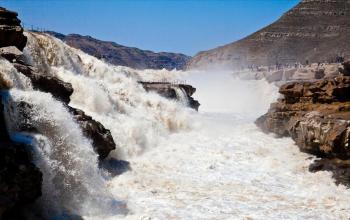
20 179
313 31
51 84
102 139
120 55
11 32
173 91
317 116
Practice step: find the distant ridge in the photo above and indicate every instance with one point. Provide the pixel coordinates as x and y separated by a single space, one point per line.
124 56
314 31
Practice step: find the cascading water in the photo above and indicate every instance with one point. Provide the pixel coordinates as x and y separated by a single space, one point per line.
185 165
72 182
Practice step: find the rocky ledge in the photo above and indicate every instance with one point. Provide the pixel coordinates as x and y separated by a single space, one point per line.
11 32
316 114
173 91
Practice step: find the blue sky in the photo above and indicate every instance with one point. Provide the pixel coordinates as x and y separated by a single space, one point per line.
185 26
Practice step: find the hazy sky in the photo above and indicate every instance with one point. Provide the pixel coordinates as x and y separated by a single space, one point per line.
186 26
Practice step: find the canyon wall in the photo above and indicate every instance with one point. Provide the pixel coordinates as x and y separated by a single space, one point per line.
313 31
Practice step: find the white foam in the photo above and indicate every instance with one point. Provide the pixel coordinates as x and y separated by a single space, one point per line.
186 165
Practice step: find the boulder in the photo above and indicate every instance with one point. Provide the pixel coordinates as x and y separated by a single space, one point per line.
11 32
102 139
171 91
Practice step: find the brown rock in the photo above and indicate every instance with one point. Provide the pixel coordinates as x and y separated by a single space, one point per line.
11 32
316 114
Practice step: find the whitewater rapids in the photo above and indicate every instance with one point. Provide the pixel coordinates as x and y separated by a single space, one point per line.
214 164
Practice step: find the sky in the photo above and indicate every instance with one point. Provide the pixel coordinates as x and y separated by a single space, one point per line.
183 26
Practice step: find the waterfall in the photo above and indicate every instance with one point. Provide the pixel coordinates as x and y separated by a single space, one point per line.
72 182
214 164
181 95
111 95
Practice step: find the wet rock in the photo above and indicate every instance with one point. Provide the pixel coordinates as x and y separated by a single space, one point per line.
346 68
319 74
51 84
340 169
11 53
20 179
102 139
171 91
11 32
115 167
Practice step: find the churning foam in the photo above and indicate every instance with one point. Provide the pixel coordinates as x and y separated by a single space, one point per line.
186 165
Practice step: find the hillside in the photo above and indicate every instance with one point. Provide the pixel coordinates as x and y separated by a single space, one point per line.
313 31
124 56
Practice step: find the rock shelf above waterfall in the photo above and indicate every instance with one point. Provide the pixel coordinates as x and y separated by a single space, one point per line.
169 90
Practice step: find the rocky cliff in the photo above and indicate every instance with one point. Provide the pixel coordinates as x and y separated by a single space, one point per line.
11 32
117 54
20 179
313 31
316 114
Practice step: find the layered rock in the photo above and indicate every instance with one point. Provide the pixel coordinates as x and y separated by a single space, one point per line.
317 116
120 55
173 91
11 32
313 31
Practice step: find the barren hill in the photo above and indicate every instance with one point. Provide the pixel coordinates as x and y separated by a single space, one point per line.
124 56
313 31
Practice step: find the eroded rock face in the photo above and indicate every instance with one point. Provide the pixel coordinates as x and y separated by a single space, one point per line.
11 32
171 91
316 115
